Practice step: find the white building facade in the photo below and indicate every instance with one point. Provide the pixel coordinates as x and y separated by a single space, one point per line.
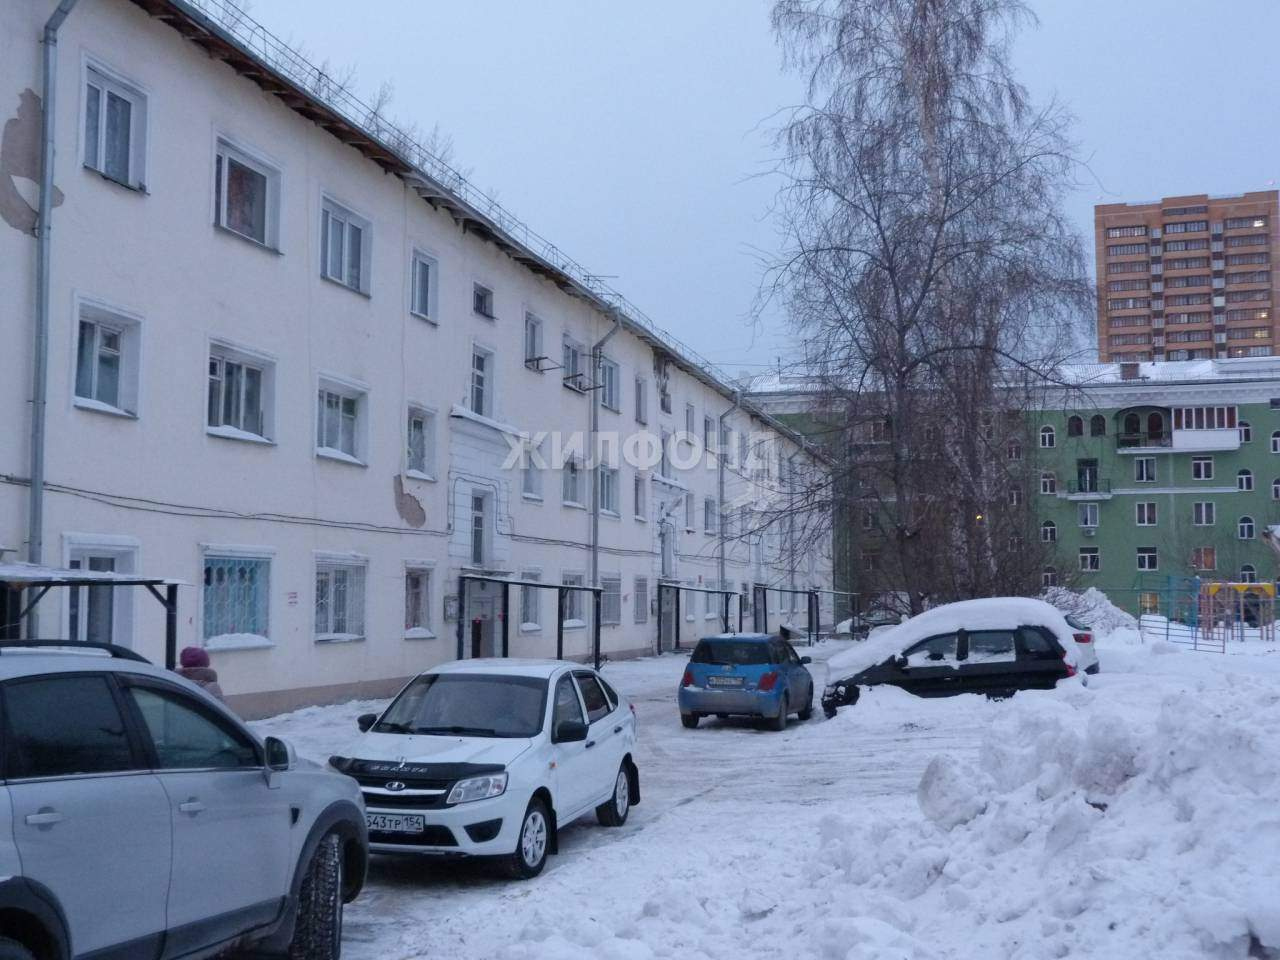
291 366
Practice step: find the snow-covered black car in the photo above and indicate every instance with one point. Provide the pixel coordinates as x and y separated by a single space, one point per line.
994 646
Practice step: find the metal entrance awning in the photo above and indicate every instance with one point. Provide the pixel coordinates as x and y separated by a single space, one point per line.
506 583
38 580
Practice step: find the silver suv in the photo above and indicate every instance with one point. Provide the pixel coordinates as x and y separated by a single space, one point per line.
141 819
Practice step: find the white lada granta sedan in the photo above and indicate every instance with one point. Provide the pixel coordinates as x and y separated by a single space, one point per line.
489 758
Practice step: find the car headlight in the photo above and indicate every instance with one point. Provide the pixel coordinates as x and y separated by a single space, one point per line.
478 788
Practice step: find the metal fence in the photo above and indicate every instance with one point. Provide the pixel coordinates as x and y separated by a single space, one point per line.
1203 615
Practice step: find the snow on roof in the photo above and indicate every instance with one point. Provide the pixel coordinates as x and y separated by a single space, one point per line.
507 666
989 613
30 573
1174 371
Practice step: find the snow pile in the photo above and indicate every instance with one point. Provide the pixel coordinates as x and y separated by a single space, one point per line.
1092 607
1082 828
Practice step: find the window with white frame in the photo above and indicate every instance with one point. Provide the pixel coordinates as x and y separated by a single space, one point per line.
1048 483
1275 441
339 599
641 599
420 443
1148 558
1144 469
689 417
1244 528
1049 577
1202 468
642 400
571 482
423 271
115 125
100 614
725 439
479 528
1088 514
344 246
240 389
1244 480
1248 573
107 350
572 368
340 418
533 355
1090 561
664 455
246 195
688 512
530 602
1275 489
482 301
531 473
574 604
1048 532
709 520
1246 432
235 605
611 600
481 388
1202 513
1145 513
708 434
640 497
609 491
417 603
1015 496
610 390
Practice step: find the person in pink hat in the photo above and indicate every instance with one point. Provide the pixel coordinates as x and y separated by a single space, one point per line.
195 667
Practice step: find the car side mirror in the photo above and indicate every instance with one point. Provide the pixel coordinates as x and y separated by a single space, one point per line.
365 721
570 731
900 662
280 755
806 659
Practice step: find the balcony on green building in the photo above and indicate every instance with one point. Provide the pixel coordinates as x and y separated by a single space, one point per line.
1178 430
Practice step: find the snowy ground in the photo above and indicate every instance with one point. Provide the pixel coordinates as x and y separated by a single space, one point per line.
1138 817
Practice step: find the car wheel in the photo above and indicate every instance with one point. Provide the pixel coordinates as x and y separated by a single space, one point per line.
780 721
534 840
317 934
13 950
807 713
613 812
690 720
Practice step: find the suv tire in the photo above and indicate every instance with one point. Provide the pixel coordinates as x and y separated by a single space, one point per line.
317 934
613 812
532 843
690 720
13 950
807 713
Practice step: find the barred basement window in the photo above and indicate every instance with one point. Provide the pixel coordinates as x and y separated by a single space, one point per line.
236 600
339 600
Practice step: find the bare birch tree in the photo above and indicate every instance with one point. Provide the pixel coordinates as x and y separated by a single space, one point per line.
929 267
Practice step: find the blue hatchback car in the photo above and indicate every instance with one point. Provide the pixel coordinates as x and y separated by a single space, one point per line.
746 674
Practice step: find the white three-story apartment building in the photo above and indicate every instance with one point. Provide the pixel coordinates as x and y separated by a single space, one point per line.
290 358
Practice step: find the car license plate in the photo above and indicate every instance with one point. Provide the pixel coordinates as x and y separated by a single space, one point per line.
724 681
396 822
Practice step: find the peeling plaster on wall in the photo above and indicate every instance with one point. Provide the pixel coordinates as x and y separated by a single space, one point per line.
20 165
408 506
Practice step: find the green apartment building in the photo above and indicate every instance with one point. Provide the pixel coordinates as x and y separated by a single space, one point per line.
1151 471
1143 475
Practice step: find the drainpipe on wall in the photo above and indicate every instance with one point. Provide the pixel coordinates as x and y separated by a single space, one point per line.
44 225
597 356
720 458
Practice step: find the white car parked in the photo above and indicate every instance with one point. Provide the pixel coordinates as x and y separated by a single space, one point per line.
490 758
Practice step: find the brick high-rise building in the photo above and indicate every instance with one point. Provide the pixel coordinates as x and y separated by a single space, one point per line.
1187 278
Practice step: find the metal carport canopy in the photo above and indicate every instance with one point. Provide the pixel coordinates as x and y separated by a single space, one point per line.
41 579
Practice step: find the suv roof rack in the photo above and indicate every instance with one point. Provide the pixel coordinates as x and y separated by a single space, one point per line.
120 653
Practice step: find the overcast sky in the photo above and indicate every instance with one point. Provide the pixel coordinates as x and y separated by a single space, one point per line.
637 136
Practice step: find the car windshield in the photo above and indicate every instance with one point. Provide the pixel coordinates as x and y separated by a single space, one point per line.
738 652
468 705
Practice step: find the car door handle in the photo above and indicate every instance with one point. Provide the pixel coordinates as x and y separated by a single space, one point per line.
192 806
45 818
589 744
618 728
